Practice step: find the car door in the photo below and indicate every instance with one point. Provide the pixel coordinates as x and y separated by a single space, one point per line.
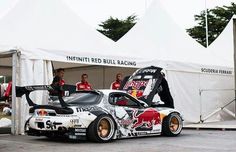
130 113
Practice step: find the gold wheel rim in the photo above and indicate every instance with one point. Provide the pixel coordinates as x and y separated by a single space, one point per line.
174 124
104 128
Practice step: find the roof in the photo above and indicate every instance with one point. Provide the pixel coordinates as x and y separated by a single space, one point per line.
43 28
223 46
158 38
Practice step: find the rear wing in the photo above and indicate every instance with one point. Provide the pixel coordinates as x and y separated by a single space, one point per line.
26 90
144 84
20 91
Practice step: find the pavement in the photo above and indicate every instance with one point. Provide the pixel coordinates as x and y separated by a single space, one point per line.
187 141
220 125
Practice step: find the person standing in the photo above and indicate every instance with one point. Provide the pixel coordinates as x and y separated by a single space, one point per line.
58 81
83 84
116 84
165 94
7 94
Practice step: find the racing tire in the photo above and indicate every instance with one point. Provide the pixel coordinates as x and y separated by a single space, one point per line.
172 125
102 129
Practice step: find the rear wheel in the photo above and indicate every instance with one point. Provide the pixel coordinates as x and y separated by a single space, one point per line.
102 129
172 125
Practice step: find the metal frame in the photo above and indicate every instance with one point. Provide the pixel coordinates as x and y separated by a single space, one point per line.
14 63
223 108
15 59
234 39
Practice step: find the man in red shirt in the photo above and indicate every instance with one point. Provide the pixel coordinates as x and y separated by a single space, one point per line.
116 84
8 90
83 85
7 94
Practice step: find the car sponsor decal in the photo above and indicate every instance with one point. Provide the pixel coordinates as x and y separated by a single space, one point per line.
126 122
42 112
38 119
52 125
135 84
63 115
136 93
147 70
91 108
74 121
148 117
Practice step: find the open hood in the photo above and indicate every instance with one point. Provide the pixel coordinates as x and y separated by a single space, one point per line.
144 83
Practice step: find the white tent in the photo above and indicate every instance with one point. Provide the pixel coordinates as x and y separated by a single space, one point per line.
50 24
223 46
41 31
200 81
34 33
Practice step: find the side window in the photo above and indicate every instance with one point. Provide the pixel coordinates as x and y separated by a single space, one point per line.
122 100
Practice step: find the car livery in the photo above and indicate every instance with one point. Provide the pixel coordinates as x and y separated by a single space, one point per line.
99 115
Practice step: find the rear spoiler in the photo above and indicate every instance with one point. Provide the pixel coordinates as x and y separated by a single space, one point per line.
26 90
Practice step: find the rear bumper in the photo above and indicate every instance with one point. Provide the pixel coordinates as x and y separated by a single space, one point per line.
71 133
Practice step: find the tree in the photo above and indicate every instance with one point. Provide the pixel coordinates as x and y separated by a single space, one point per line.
218 18
115 28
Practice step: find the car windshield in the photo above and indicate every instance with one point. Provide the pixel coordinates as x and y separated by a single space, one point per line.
81 98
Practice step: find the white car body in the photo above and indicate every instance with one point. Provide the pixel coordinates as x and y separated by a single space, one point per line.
129 121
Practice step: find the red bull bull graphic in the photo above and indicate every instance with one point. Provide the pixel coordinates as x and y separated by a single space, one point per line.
149 117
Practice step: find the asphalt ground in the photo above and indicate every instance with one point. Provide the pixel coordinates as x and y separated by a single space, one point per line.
187 141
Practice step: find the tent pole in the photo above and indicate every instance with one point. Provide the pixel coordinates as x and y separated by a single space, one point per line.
234 38
104 79
14 66
206 20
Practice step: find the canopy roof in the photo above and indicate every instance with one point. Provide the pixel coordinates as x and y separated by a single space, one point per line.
158 37
49 30
223 46
49 25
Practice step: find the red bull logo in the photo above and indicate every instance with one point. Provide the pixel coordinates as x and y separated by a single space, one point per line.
136 93
149 117
42 112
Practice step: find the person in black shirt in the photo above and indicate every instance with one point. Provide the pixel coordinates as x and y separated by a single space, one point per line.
165 94
58 81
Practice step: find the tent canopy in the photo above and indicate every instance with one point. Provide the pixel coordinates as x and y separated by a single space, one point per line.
158 37
47 30
49 25
223 46
50 30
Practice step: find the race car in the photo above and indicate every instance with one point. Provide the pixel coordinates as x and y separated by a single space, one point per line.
103 115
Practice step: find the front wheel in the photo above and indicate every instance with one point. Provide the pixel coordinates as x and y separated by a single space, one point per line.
172 125
102 129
